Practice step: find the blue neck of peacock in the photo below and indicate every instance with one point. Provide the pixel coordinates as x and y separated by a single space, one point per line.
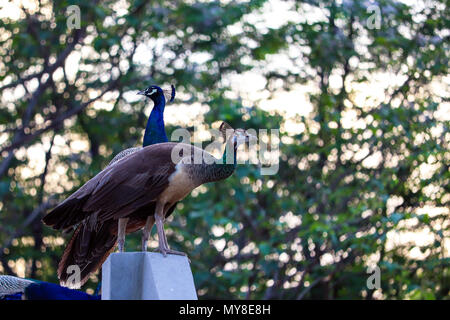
155 131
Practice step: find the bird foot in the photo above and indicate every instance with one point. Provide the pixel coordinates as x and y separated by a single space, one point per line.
165 252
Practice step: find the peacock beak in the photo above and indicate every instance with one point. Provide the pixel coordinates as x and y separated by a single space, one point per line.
142 92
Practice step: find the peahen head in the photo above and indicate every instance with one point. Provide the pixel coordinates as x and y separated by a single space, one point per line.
159 95
235 136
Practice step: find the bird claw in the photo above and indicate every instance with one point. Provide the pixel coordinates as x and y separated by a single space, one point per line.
165 252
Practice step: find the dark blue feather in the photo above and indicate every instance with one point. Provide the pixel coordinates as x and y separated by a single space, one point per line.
51 291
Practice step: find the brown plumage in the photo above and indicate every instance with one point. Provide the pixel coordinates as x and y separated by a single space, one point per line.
119 189
133 194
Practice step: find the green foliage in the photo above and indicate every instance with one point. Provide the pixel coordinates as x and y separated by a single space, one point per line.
343 193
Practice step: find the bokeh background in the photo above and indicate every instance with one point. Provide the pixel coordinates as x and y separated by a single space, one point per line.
362 108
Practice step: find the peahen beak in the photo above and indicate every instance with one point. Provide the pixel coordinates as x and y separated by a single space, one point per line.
251 137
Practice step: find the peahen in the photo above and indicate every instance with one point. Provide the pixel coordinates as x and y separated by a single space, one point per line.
14 288
134 193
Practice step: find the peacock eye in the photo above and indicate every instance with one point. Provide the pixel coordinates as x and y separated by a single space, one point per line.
151 92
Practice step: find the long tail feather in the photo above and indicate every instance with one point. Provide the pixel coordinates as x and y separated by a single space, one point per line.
88 248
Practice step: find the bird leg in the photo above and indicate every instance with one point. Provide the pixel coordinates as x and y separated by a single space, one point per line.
146 231
163 245
159 218
179 253
122 228
170 251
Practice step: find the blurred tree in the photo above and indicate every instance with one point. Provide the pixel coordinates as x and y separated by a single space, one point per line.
354 174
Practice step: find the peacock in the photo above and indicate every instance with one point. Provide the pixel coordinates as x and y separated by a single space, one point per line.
14 288
140 190
155 131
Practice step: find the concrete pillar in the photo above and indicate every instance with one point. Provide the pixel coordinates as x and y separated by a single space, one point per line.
147 276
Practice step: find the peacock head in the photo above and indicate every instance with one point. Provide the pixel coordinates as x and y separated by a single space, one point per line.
235 136
155 92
